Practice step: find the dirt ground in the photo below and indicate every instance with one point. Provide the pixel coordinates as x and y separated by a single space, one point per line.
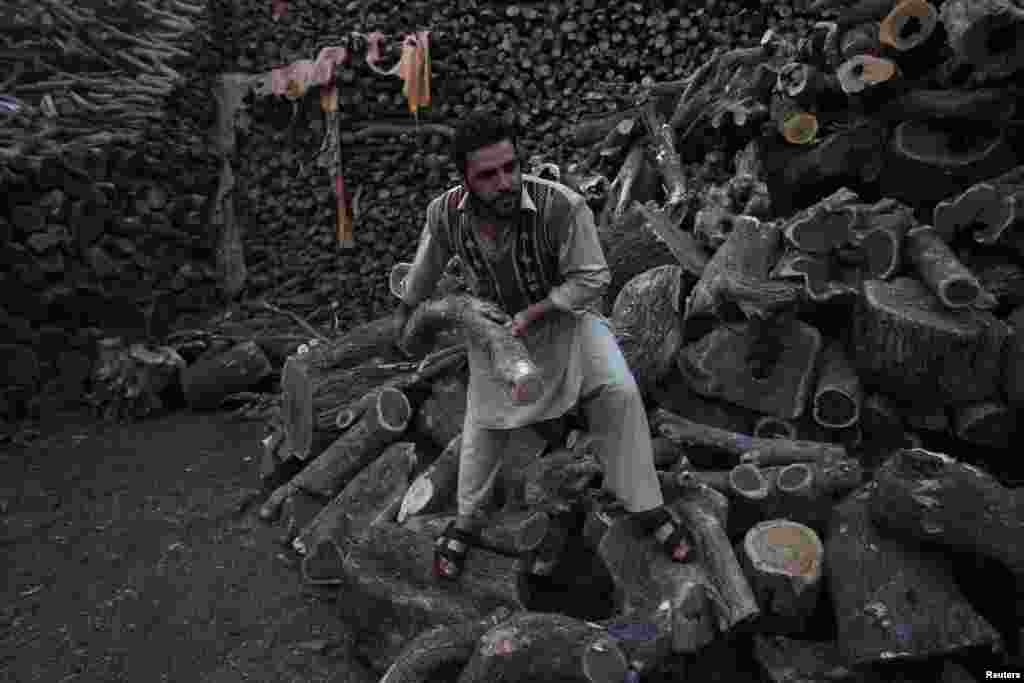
132 553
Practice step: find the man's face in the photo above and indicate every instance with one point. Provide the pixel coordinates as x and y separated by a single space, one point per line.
494 179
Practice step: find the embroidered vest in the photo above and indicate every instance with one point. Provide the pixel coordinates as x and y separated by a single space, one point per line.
534 251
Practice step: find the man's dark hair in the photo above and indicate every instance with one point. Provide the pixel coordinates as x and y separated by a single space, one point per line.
480 128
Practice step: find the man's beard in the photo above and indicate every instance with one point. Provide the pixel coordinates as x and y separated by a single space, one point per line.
504 205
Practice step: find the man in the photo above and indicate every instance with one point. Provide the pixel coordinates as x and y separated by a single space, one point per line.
531 247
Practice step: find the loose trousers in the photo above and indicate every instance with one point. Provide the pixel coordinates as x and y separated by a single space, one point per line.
615 414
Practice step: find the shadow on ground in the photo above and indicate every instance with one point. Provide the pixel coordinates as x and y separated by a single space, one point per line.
132 553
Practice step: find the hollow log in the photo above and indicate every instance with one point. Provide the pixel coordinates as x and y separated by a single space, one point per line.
210 380
771 427
820 228
1000 274
648 324
434 489
391 594
478 320
441 653
689 434
907 343
987 33
818 274
717 367
910 24
992 424
738 274
894 601
784 562
932 497
379 427
954 285
368 499
666 158
974 208
534 646
878 233
837 397
442 413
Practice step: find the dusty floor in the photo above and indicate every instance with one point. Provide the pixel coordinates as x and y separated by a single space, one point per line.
132 553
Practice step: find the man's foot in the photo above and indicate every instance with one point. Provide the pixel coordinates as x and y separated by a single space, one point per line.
450 551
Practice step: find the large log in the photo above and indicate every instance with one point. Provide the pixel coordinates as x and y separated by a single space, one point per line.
392 595
514 532
442 413
987 33
907 343
687 433
371 497
440 653
892 600
737 275
631 249
556 482
910 24
825 226
629 185
479 321
534 646
662 137
931 497
878 235
787 660
380 426
717 366
647 319
212 378
784 562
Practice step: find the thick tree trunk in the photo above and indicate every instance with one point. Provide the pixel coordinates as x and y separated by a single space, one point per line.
368 499
721 366
532 646
211 379
907 343
931 497
987 33
648 323
894 601
326 475
631 249
662 138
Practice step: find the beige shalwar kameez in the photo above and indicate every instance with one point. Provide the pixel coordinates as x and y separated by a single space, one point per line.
574 347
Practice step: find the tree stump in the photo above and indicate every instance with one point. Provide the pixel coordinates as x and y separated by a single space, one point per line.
370 498
328 473
648 323
211 379
532 646
931 497
717 367
894 601
784 563
907 343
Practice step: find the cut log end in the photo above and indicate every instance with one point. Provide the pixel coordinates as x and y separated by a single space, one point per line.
909 24
769 427
795 479
786 548
835 409
864 71
393 410
747 481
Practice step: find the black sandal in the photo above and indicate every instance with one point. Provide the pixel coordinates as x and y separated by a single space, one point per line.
675 538
450 551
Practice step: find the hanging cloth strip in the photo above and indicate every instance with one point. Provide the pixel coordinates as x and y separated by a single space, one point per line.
413 67
294 80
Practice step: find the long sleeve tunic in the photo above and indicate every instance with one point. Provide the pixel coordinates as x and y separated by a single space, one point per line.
556 254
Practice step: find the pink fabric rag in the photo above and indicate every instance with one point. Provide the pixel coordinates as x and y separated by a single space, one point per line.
294 80
373 55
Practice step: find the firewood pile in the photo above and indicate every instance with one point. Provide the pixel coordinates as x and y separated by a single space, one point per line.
823 323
